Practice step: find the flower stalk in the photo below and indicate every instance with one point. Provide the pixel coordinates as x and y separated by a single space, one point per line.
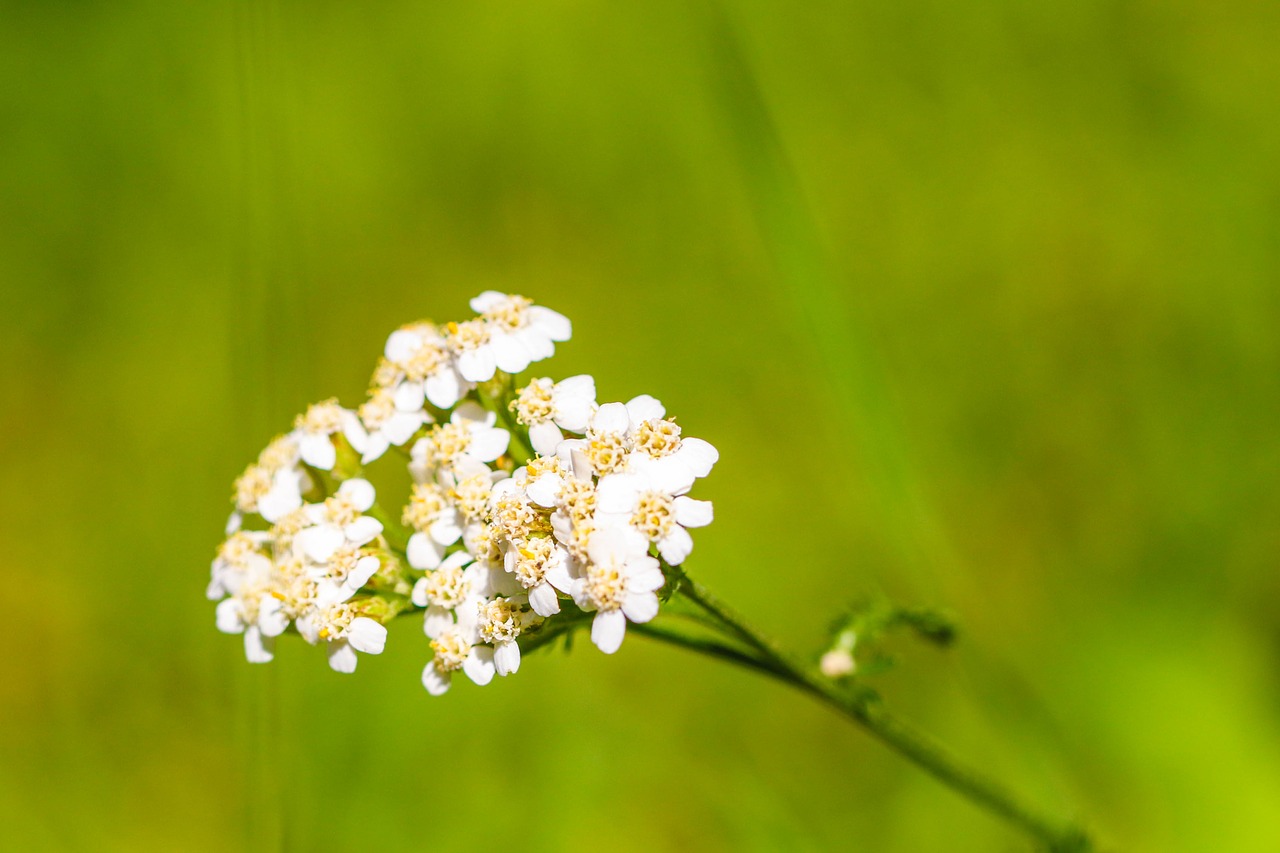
864 707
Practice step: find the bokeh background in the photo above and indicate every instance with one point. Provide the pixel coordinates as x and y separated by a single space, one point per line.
980 302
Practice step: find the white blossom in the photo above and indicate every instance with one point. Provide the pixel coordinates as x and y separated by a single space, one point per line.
419 365
519 332
385 425
251 609
437 523
620 583
469 437
650 506
547 408
314 432
339 520
491 550
335 622
271 487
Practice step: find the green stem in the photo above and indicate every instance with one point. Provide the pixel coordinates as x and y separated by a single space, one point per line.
708 647
864 707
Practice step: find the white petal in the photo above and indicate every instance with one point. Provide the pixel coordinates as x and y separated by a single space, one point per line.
558 576
422 552
608 629
509 354
545 490
316 449
444 387
536 342
574 399
402 344
436 682
676 545
446 530
360 492
271 621
408 396
401 426
645 408
545 438
477 365
640 606
342 658
554 324
488 444
419 594
283 499
328 593
645 576
229 616
234 522
376 445
618 493
437 621
363 530
668 475
616 543
543 600
319 543
257 648
506 658
611 417
471 413
356 434
693 513
479 665
367 635
487 301
365 568
457 558
699 455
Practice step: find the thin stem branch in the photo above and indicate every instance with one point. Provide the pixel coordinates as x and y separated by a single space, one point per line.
709 647
864 707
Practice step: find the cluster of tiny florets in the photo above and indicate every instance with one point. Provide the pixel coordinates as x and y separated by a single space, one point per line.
529 500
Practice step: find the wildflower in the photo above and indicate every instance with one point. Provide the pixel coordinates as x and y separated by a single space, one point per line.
436 522
422 367
672 461
620 583
536 563
500 622
837 663
335 622
468 438
547 407
239 557
662 515
272 486
349 568
456 586
338 521
385 425
458 648
251 609
494 549
314 432
520 332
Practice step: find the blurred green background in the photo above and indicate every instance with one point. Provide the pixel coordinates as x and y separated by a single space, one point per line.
980 302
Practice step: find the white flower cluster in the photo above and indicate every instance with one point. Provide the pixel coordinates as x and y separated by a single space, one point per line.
528 504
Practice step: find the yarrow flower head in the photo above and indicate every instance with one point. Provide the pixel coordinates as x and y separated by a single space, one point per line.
532 507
